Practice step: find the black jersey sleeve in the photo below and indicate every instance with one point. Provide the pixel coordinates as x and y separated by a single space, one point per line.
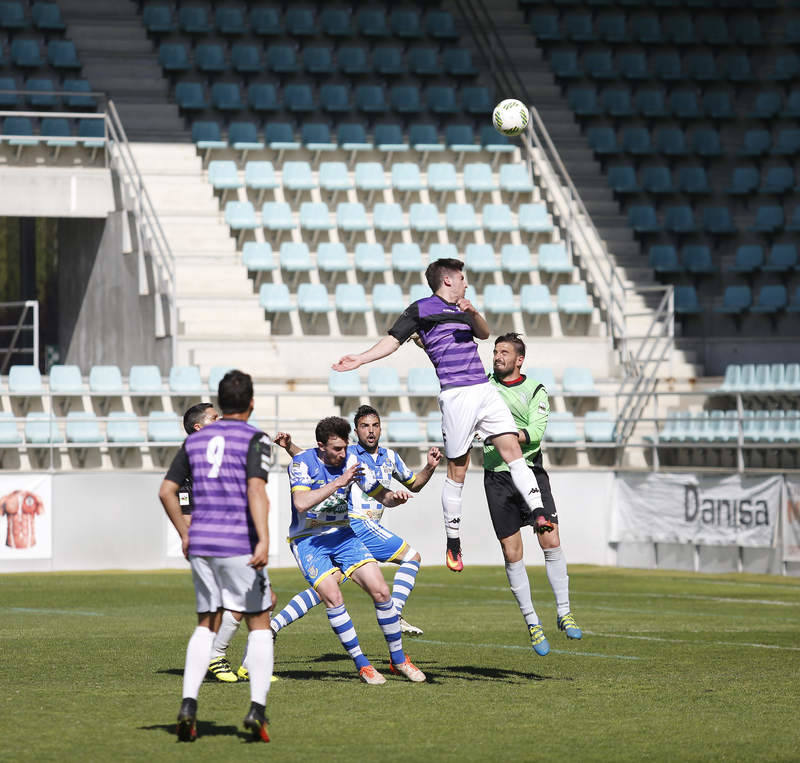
406 324
259 456
179 470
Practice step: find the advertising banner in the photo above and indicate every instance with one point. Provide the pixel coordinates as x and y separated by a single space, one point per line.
791 522
707 511
26 516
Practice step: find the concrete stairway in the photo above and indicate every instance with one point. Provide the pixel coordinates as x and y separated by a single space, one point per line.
119 60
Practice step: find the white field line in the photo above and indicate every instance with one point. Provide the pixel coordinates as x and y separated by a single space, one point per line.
34 611
693 642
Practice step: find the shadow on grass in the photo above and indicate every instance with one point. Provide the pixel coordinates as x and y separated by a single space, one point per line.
204 729
475 673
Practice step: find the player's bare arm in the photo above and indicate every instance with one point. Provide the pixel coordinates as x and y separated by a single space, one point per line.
385 346
259 510
424 474
284 440
391 498
306 499
168 495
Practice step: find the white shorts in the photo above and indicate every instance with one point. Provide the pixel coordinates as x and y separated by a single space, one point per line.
470 410
229 582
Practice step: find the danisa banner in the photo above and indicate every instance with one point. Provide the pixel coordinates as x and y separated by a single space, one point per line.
791 522
26 517
707 511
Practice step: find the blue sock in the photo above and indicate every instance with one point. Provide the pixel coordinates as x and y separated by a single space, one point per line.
343 627
295 609
389 621
403 584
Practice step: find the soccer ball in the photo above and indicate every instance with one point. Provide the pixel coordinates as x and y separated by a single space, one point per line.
510 117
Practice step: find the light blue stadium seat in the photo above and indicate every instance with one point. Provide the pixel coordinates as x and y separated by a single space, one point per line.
215 376
185 381
423 382
388 218
433 427
350 298
543 376
777 376
274 298
439 251
515 259
499 299
223 175
599 426
313 298
535 300
66 380
497 219
277 216
403 428
164 427
424 218
407 258
479 178
41 429
554 259
442 177
387 299
145 380
735 300
762 380
9 434
418 291
370 258
333 177
24 380
240 216
314 216
105 380
83 428
577 380
332 258
732 379
369 177
573 299
295 257
534 219
747 378
351 217
344 383
515 178
383 381
479 259
460 219
406 177
561 428
260 176
297 177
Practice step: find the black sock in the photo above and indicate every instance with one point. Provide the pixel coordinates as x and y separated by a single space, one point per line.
454 545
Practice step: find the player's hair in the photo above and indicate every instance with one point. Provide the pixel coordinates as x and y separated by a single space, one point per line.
364 410
195 415
514 339
235 392
434 274
332 426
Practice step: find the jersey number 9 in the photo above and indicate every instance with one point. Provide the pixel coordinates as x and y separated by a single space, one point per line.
214 453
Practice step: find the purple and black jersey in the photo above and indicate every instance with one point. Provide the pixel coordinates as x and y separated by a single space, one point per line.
448 337
219 459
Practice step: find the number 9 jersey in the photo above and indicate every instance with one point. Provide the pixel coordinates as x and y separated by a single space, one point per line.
220 458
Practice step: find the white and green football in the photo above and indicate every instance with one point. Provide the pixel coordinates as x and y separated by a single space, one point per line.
510 117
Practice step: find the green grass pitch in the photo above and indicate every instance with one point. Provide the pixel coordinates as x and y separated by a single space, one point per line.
672 666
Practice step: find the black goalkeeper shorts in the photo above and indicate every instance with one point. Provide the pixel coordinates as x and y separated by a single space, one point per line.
508 509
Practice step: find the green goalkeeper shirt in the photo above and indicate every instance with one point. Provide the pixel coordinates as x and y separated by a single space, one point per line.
530 407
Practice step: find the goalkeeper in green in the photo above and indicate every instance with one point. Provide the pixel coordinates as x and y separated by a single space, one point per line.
530 408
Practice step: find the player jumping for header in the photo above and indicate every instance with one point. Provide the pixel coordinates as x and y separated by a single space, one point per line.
448 324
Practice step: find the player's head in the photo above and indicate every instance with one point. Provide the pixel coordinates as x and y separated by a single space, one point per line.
367 422
332 434
235 393
199 416
447 275
508 356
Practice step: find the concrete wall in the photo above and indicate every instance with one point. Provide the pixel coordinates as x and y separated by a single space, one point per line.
55 192
103 318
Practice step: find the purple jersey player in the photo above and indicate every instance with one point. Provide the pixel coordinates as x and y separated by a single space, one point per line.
226 544
448 324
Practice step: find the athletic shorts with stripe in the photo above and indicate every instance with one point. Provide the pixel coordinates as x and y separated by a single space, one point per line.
507 508
383 544
319 556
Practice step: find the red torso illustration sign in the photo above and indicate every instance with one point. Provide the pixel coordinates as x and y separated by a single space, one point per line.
21 508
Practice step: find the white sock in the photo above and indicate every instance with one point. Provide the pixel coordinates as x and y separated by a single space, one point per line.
521 588
260 660
451 506
198 655
555 564
525 483
244 656
227 630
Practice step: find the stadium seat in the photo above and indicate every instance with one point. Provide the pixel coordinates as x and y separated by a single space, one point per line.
351 218
403 427
424 218
41 429
383 382
260 176
353 60
145 380
369 177
771 299
312 298
735 67
749 259
787 143
515 259
535 300
25 54
756 142
387 60
578 380
686 301
498 299
441 100
223 175
553 259
599 64
564 63
295 257
280 137
257 257
316 137
22 130
61 54
297 177
335 98
561 428
603 140
664 259
706 142
534 218
442 177
123 428
579 27
314 216
782 258
164 427
344 384
83 428
440 25
476 100
298 99
442 251
424 62
636 141
424 138
9 434
794 304
599 426
372 23
735 300
768 219
514 179
693 181
194 20
173 57
185 381
418 291
282 59
389 139
300 21
370 99
24 380
277 216
353 138
766 105
66 380
460 139
246 59
333 178
671 141
332 258
206 136
105 380
479 259
190 96
573 299
210 58
406 178
460 219
265 21
679 219
370 258
318 60
642 218
8 100
651 104
407 259
240 216
744 181
657 180
786 68
683 105
274 298
778 180
350 300
335 22
546 27
387 299
697 259
423 382
388 218
717 220
457 62
158 19
497 219
792 106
